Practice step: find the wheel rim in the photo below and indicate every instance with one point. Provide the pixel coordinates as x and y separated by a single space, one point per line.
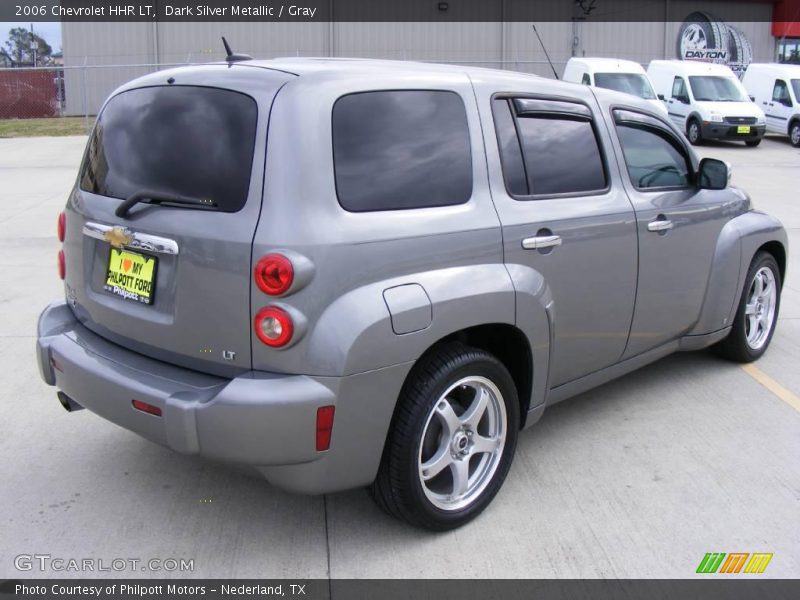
694 132
796 135
759 311
694 38
462 443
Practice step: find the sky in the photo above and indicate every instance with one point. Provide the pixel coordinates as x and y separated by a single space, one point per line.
50 31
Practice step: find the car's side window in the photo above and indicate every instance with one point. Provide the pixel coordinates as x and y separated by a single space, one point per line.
585 80
679 88
548 148
780 93
401 149
654 157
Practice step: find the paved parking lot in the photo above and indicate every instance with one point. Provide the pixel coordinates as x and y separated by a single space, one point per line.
639 478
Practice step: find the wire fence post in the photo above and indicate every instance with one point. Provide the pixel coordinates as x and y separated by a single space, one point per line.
85 97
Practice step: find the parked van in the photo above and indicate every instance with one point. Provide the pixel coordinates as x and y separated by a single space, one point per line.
707 101
776 89
613 74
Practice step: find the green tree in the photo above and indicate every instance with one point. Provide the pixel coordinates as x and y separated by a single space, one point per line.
22 46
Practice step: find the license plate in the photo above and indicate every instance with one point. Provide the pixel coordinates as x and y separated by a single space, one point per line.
131 275
743 129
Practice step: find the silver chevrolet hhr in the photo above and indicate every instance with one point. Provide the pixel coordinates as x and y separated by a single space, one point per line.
350 273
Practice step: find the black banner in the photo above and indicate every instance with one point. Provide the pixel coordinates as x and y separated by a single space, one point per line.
27 11
712 588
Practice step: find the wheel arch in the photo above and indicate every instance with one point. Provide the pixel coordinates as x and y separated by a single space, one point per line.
778 252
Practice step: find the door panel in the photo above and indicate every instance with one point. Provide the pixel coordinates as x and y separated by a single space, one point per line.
583 243
678 110
776 111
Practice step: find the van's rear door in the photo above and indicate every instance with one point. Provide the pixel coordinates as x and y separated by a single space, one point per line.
172 280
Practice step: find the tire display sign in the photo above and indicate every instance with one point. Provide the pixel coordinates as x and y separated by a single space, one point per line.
705 38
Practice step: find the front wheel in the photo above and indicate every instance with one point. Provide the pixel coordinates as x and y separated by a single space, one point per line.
694 133
757 312
452 439
794 134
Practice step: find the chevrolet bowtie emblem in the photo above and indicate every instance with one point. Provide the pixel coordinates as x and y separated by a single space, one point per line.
118 237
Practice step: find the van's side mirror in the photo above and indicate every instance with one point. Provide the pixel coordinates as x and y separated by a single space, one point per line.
752 98
786 102
660 96
713 174
684 99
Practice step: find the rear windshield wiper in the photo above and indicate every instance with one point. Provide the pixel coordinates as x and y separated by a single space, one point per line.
151 197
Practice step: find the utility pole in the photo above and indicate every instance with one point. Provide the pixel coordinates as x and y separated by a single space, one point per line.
33 46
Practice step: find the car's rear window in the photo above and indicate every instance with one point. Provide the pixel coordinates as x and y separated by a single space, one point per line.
396 150
181 140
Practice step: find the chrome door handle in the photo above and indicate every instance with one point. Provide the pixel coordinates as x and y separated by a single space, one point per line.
659 225
542 241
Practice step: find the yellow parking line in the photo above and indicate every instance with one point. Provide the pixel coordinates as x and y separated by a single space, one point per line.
773 386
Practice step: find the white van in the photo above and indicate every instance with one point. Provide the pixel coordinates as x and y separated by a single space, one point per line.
620 75
707 101
776 89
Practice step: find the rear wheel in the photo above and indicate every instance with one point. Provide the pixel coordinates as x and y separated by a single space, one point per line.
452 439
794 134
694 133
757 312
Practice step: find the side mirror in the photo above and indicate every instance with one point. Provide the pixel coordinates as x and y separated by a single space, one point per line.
661 96
786 102
752 98
713 174
684 99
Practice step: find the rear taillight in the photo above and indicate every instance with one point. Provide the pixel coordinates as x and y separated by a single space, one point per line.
61 227
324 427
62 265
274 326
274 274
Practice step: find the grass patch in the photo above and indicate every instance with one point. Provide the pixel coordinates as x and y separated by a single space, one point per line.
59 126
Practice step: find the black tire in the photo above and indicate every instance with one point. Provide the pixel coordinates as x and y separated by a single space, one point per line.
740 52
694 132
398 489
794 134
735 346
706 32
753 143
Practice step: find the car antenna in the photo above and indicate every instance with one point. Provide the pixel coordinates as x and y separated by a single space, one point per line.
232 57
545 51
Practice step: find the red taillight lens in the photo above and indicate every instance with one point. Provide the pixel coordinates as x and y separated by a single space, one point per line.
145 407
62 265
274 274
274 326
61 228
324 427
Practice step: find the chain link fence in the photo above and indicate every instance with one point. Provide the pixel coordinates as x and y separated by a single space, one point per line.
79 91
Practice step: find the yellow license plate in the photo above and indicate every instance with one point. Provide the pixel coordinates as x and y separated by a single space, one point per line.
131 276
743 129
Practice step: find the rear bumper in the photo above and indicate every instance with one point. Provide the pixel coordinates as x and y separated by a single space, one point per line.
264 420
726 131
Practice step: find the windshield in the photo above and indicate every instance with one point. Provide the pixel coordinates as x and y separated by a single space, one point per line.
177 140
630 83
707 88
796 88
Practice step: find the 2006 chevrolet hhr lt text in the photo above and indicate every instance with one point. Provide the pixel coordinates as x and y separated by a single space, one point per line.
350 273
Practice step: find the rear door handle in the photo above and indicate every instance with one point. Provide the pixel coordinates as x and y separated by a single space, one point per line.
659 225
542 241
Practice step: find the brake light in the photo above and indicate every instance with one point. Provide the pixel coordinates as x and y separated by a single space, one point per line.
61 227
147 408
324 427
274 274
62 265
274 326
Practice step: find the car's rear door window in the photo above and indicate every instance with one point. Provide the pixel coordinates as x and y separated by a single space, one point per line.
401 149
557 151
183 140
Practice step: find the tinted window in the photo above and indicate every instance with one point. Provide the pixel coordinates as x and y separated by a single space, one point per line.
654 158
401 149
780 93
629 83
561 154
679 88
182 140
585 79
796 88
510 152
